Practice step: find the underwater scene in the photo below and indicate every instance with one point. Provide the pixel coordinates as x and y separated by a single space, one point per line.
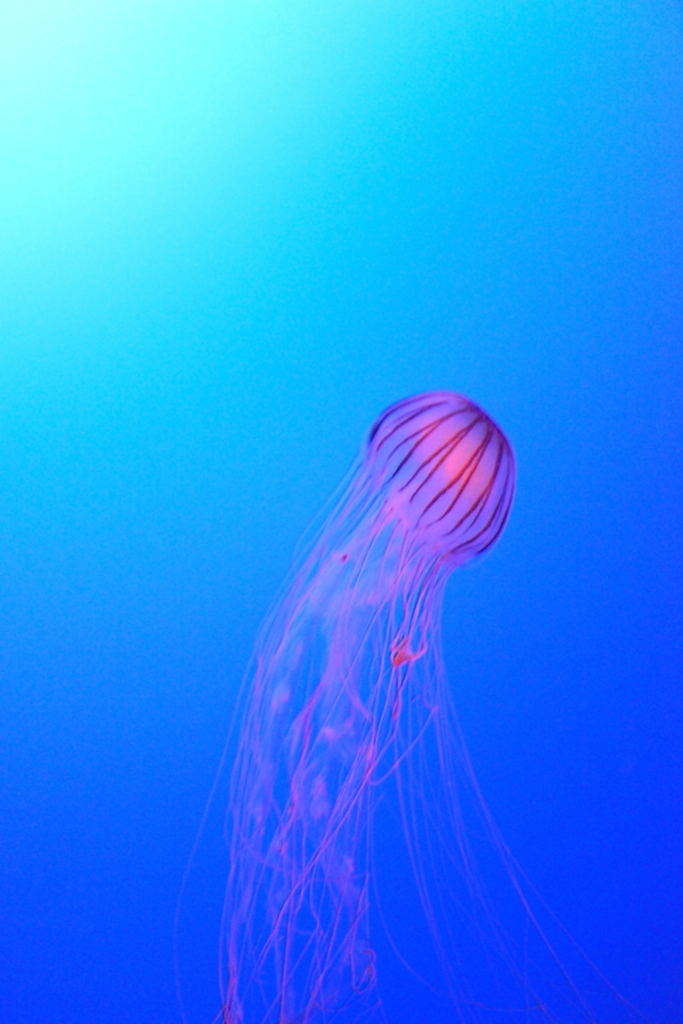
341 476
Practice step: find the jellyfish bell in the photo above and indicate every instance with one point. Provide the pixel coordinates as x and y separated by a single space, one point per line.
448 469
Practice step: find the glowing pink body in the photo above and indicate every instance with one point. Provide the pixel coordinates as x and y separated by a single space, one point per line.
347 696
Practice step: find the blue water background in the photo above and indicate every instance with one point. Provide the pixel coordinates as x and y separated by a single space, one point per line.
230 235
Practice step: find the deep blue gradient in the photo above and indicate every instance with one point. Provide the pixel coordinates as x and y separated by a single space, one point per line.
230 235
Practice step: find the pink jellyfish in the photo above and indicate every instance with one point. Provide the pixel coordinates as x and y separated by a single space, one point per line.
347 696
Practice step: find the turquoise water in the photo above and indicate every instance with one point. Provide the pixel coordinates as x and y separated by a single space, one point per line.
230 235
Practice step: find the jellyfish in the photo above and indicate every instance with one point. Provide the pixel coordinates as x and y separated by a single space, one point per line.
346 715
